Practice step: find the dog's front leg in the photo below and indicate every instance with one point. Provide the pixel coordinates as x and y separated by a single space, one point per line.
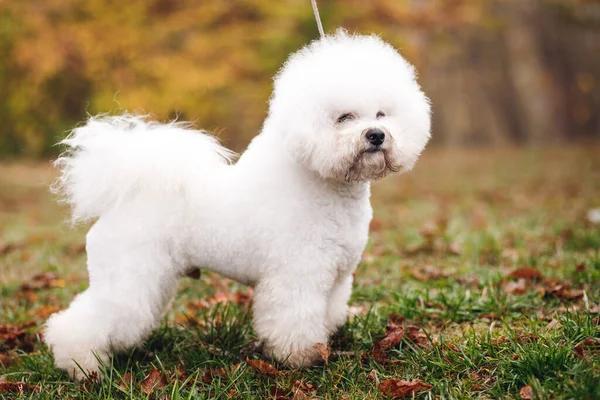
289 317
337 304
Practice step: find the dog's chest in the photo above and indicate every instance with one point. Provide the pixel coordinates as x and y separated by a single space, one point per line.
349 237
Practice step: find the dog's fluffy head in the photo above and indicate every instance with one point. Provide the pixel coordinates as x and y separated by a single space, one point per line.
332 92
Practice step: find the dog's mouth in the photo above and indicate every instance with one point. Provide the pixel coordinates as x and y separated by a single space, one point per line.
371 164
374 150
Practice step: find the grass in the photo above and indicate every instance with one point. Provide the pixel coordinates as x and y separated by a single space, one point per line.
444 242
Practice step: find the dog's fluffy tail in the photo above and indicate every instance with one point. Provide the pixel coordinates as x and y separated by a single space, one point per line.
111 158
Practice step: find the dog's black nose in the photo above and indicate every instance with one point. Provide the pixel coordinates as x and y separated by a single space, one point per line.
375 136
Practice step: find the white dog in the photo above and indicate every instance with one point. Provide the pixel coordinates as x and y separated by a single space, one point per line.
290 218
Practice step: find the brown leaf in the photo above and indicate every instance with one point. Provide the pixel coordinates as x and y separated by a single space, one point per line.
527 338
518 287
5 360
324 350
588 345
303 390
46 310
526 273
276 393
240 298
6 248
428 272
526 393
375 225
126 381
300 395
392 338
416 335
15 337
213 373
580 351
499 341
373 376
264 367
18 388
400 389
557 288
44 280
75 249
155 380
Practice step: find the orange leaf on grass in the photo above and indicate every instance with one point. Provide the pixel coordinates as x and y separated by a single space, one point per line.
526 393
155 380
418 337
400 389
126 381
526 273
392 338
324 350
264 367
15 337
44 280
46 310
18 388
518 287
213 373
6 360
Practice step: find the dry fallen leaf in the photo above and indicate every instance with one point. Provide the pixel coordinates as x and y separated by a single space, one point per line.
264 367
126 381
324 350
416 335
5 360
588 345
373 376
240 298
526 273
44 280
46 310
213 373
400 389
375 225
18 388
392 338
15 337
526 393
518 287
276 393
155 380
557 288
428 272
303 390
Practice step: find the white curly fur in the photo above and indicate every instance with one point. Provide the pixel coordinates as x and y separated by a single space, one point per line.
290 217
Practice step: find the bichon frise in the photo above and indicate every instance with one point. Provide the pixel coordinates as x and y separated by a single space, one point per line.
290 218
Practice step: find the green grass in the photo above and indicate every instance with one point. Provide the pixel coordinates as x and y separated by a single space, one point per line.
444 241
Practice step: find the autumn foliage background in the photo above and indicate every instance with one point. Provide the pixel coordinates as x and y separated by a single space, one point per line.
498 72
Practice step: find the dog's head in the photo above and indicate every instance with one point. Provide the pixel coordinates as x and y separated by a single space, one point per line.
349 108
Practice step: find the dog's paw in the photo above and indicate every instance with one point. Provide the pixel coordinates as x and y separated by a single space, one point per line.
296 358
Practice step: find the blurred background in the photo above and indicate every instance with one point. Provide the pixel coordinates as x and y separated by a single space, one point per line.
498 72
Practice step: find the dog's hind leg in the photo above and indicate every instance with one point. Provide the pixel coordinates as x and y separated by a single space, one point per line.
130 287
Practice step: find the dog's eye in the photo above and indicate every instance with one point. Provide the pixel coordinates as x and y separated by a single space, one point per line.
380 114
345 117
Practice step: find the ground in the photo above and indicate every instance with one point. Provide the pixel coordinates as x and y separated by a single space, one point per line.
481 280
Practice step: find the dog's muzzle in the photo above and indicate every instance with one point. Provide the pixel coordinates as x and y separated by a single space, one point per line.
375 136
